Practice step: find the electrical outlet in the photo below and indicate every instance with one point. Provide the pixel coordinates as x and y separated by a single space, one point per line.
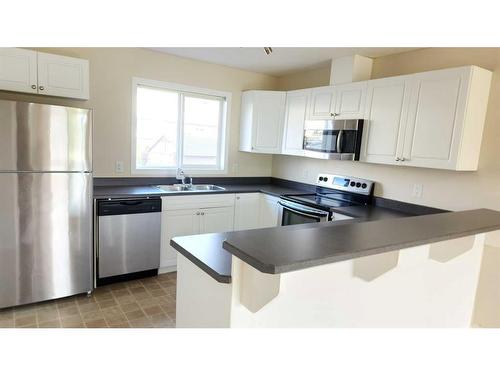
418 190
119 166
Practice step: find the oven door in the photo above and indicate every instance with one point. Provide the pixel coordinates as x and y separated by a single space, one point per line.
293 213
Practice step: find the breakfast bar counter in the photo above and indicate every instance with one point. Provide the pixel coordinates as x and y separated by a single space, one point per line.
406 272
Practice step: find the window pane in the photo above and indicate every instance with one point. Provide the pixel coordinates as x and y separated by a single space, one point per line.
157 114
201 131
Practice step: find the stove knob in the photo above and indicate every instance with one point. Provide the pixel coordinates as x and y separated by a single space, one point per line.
325 179
358 184
363 185
353 183
321 178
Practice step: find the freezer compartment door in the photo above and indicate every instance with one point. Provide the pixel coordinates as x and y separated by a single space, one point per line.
41 138
45 236
129 243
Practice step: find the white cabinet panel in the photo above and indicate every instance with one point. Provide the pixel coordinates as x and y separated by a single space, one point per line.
268 211
261 121
433 119
63 76
295 116
436 111
176 223
385 119
350 100
246 211
219 219
18 70
322 103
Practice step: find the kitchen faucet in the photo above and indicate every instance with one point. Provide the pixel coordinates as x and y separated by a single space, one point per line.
182 176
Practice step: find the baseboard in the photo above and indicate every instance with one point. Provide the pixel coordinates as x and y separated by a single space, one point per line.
168 269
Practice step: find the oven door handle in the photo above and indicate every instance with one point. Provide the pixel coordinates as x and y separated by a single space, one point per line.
305 213
339 141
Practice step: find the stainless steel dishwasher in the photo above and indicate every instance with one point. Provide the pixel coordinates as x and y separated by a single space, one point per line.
128 238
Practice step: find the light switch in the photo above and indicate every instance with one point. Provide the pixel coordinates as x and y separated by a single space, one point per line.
119 166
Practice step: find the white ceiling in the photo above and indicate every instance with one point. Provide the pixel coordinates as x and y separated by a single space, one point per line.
282 61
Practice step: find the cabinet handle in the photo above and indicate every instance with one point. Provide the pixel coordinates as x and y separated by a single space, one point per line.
41 88
398 159
197 213
202 214
33 87
402 159
237 198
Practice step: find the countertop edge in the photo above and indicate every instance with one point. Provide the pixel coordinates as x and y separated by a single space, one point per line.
272 269
203 266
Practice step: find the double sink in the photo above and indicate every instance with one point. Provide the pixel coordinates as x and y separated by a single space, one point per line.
179 188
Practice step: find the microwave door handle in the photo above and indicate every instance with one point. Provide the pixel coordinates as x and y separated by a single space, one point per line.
302 212
339 141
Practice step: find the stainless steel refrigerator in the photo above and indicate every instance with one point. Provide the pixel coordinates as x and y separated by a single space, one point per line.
45 202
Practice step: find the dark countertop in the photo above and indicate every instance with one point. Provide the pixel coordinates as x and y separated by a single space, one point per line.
205 250
102 192
275 250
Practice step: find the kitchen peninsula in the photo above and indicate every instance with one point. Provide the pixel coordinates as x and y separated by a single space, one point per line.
419 271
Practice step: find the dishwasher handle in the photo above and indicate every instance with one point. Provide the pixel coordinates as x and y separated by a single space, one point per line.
128 206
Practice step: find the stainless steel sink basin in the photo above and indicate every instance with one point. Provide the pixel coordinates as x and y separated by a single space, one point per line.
189 188
206 188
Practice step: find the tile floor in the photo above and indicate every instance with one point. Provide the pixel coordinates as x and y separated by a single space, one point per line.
143 303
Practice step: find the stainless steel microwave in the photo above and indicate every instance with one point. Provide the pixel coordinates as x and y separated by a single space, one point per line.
333 139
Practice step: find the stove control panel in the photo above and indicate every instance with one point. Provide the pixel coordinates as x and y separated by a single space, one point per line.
345 183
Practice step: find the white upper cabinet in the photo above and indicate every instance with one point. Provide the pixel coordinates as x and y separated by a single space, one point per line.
296 107
43 73
322 103
385 119
261 123
18 70
63 76
439 126
350 100
346 101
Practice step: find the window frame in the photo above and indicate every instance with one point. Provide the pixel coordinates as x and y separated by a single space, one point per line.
190 91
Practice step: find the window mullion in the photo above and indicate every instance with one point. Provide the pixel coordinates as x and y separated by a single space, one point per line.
180 132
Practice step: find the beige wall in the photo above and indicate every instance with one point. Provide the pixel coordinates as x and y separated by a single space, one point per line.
445 189
111 72
308 78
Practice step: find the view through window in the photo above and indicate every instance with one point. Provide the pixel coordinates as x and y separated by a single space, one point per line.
178 129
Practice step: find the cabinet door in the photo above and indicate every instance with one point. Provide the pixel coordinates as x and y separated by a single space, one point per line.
350 100
435 119
268 211
246 211
219 219
268 121
295 116
63 76
18 70
176 223
387 103
322 103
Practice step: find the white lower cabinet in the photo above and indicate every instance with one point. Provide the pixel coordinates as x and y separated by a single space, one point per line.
189 215
217 219
198 214
269 212
176 223
246 211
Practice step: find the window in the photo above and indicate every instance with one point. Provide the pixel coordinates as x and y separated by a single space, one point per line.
176 126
